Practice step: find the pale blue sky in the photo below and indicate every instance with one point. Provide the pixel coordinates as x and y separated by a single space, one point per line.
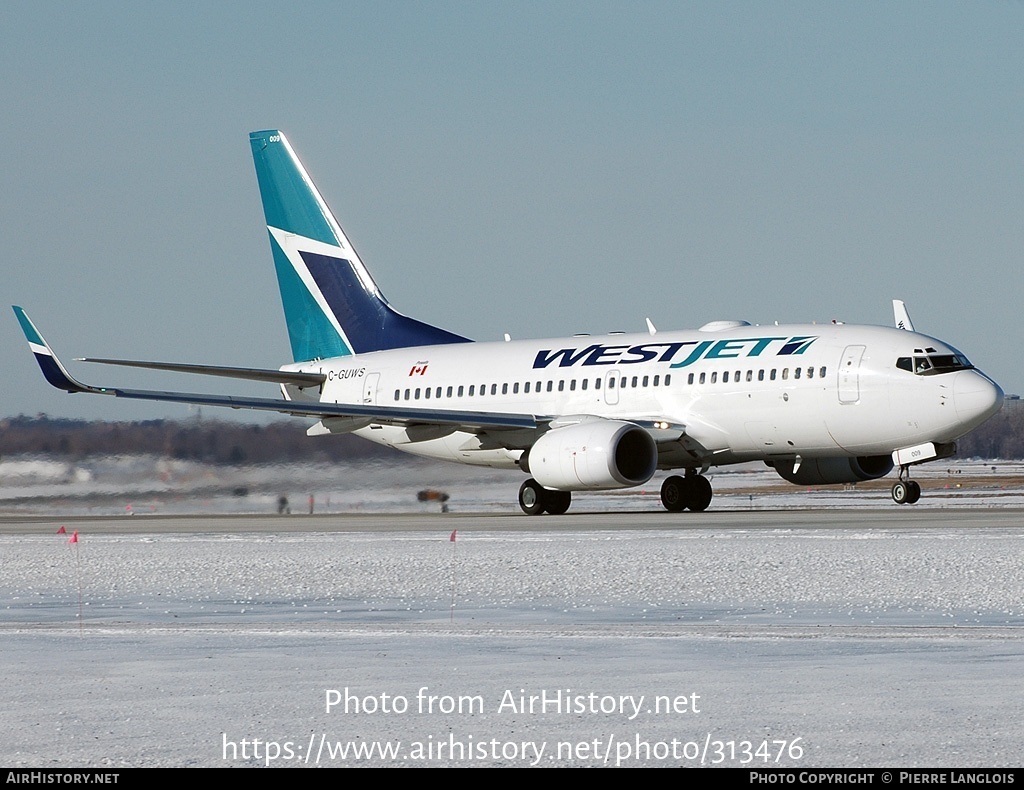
533 168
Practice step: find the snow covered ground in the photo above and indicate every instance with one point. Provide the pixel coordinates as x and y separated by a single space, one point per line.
154 485
874 642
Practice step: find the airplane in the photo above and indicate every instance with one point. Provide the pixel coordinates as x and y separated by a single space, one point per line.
821 404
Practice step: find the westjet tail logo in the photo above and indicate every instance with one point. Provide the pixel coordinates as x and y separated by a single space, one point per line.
686 352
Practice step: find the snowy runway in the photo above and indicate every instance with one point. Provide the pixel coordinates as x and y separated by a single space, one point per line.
809 641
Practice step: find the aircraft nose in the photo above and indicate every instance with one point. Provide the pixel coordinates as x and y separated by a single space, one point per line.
976 397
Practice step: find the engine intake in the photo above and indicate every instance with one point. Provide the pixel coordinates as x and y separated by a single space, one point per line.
600 454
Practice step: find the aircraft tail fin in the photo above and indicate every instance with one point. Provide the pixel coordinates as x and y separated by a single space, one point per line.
332 305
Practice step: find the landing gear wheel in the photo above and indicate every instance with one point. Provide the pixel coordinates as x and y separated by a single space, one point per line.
900 493
700 493
673 494
679 493
557 501
913 492
532 498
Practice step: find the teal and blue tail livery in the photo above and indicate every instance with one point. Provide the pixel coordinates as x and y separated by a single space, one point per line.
332 306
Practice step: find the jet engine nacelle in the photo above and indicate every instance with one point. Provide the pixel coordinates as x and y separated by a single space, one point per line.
598 454
818 471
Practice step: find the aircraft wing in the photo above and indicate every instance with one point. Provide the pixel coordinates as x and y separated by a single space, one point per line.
57 375
249 374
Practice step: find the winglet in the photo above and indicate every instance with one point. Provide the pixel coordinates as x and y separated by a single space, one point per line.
902 315
53 370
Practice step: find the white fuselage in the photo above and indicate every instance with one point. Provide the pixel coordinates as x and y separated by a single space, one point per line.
742 392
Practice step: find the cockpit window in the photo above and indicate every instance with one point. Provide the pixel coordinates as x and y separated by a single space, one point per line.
943 363
933 364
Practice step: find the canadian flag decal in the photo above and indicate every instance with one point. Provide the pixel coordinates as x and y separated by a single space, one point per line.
420 369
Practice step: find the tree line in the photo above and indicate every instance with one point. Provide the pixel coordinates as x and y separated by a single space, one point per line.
207 441
1001 437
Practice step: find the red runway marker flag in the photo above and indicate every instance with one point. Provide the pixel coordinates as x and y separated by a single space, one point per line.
74 537
62 531
452 538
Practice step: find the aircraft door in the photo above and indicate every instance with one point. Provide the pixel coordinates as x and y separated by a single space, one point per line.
849 374
611 387
370 385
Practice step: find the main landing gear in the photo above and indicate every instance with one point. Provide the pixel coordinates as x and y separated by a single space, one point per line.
905 491
534 499
691 492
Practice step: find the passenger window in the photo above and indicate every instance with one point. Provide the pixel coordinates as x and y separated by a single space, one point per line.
702 375
561 385
634 382
572 385
689 379
583 384
760 375
494 389
714 377
646 379
472 390
550 385
416 395
407 394
796 373
656 380
725 377
597 384
785 373
821 372
397 394
810 373
504 389
460 390
438 393
426 393
668 379
772 375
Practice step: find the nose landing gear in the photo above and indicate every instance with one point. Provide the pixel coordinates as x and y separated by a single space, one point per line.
906 491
